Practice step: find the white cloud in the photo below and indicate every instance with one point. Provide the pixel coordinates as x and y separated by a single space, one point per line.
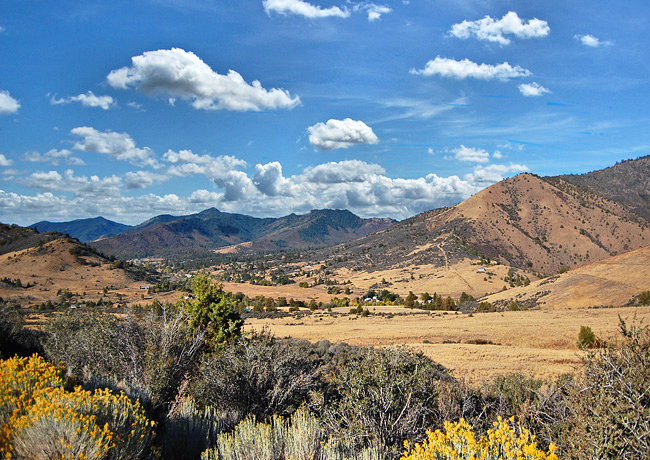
179 73
55 157
79 185
340 134
4 161
7 103
374 11
341 172
305 9
498 155
591 41
120 146
471 154
2 29
143 179
222 170
494 30
482 176
269 180
465 68
362 187
88 99
188 163
532 89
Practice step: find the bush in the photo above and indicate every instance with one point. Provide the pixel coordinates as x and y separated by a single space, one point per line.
586 337
298 438
213 311
505 440
147 356
385 396
644 298
46 421
259 375
14 338
609 404
188 430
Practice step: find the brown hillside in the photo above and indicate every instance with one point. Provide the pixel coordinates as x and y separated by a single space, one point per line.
523 222
610 282
63 264
627 182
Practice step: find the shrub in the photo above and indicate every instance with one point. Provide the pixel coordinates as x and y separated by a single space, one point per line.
213 311
259 375
147 356
297 438
46 421
609 404
383 395
188 430
586 337
505 440
644 298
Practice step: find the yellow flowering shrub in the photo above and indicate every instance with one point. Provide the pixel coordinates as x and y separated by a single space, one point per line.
458 441
41 420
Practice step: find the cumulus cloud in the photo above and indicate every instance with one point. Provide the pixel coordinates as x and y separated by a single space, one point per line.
532 89
340 134
269 180
119 146
179 73
222 170
7 103
88 99
482 176
4 161
340 172
305 9
79 185
54 157
188 163
591 41
494 30
465 68
142 179
471 154
373 10
364 188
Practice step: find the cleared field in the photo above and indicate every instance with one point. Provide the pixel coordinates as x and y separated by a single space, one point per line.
540 343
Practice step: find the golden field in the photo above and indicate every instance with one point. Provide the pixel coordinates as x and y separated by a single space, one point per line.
539 343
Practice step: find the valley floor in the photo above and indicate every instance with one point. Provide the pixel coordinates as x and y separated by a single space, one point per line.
539 343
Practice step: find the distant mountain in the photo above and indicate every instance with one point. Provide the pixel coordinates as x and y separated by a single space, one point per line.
524 221
212 229
627 182
84 230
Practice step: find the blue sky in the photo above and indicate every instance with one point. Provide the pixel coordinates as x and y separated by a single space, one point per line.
267 107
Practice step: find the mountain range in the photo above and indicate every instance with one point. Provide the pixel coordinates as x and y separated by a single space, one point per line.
212 229
537 223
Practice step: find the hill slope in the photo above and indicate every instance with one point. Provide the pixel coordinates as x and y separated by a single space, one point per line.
84 230
610 282
627 182
211 229
50 263
525 222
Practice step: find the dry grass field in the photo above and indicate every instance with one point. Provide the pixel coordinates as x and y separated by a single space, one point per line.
540 343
